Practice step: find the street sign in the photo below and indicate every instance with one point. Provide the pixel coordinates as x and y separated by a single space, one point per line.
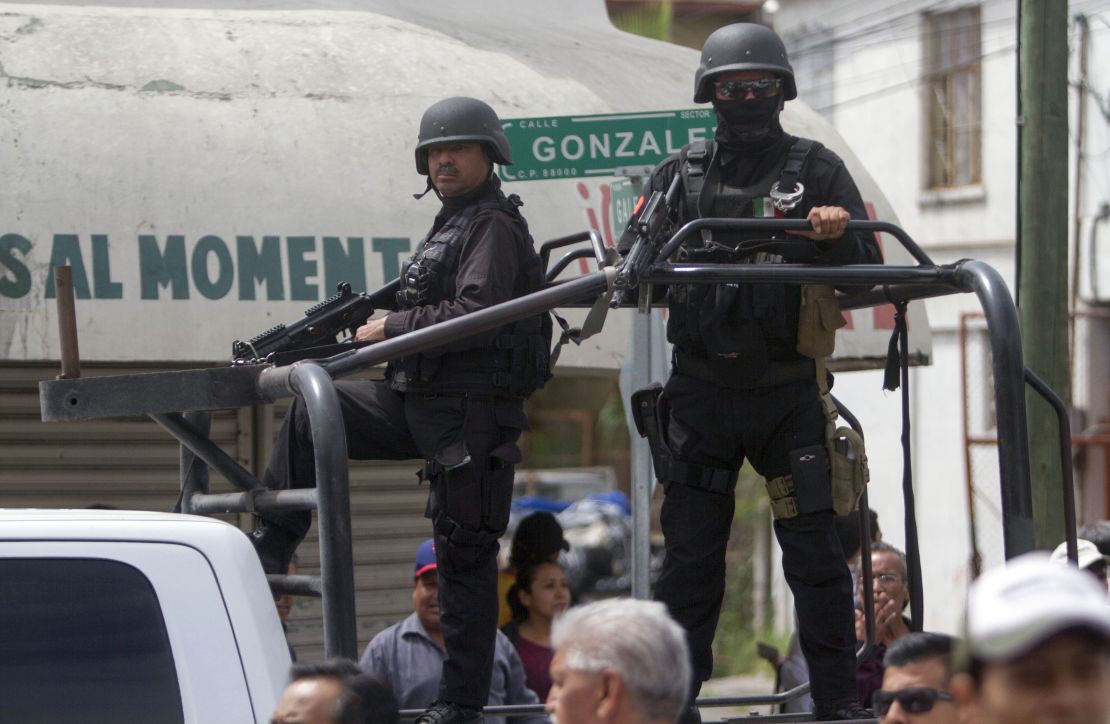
599 145
622 199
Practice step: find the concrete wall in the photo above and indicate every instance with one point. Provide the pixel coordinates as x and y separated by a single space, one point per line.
211 171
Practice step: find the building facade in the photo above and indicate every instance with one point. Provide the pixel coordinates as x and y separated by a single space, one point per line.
924 92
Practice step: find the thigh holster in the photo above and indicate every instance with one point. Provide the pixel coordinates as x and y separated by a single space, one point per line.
459 536
805 489
784 504
716 480
650 421
649 412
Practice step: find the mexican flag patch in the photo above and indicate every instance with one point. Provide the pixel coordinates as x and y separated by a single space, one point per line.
762 208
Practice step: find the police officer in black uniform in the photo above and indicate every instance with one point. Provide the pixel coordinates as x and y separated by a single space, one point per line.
459 406
739 386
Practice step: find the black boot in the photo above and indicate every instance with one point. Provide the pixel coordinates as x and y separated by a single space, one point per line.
275 546
842 711
444 712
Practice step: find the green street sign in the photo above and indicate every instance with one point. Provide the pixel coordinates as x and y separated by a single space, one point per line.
599 145
623 195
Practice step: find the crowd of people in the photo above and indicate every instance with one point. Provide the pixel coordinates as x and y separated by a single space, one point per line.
616 660
1036 649
748 385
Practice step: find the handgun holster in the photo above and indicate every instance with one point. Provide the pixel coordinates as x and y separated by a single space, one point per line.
650 417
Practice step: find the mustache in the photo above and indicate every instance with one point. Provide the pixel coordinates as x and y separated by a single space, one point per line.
448 168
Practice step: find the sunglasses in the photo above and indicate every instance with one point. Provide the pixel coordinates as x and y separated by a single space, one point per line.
914 700
762 88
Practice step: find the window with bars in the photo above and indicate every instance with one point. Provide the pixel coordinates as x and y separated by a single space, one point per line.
953 98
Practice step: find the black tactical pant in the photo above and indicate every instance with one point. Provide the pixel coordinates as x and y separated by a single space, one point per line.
470 444
718 427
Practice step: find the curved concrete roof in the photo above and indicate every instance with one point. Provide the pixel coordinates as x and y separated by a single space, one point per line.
219 120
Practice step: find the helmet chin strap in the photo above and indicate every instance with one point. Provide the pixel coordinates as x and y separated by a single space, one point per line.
427 188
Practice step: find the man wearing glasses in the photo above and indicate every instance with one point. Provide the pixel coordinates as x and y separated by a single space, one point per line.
890 596
915 684
744 383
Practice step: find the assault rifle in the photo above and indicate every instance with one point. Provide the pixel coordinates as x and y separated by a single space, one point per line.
317 334
650 227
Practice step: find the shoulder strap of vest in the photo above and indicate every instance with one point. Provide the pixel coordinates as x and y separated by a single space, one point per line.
509 205
796 159
696 159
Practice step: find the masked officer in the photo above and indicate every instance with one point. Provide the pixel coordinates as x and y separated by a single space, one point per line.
740 386
459 406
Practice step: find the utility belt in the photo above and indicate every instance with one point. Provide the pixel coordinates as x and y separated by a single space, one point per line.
514 366
718 372
829 475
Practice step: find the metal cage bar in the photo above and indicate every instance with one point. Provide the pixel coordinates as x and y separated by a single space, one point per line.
164 395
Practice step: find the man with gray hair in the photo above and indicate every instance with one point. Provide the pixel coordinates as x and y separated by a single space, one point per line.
618 661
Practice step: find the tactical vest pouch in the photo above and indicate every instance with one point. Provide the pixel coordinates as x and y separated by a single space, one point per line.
819 318
809 468
848 469
846 454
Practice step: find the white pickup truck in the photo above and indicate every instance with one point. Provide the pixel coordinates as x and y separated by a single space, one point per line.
129 616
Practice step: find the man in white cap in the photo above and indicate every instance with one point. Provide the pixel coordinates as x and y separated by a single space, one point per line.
1038 639
1089 559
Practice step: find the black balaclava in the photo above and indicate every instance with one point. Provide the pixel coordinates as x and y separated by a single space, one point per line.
748 125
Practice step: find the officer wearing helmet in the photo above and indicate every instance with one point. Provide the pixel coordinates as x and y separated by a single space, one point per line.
459 406
746 382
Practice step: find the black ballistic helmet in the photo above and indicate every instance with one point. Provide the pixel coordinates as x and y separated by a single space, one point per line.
461 120
742 46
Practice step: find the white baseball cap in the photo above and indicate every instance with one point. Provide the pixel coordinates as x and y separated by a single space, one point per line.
1089 554
1014 608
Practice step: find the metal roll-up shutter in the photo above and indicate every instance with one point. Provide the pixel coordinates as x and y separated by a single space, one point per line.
128 463
387 525
133 464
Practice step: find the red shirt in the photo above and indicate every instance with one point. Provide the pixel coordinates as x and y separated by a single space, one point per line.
537 666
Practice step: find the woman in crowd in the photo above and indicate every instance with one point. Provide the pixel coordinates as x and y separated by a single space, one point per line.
539 537
538 596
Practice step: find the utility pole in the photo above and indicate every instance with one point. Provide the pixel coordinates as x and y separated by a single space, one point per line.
1043 242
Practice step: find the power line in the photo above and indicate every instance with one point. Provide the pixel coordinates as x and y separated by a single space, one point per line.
907 83
874 40
839 10
1100 101
912 64
833 38
870 38
1103 104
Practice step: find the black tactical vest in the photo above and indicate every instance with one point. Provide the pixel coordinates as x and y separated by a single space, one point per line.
739 332
518 362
